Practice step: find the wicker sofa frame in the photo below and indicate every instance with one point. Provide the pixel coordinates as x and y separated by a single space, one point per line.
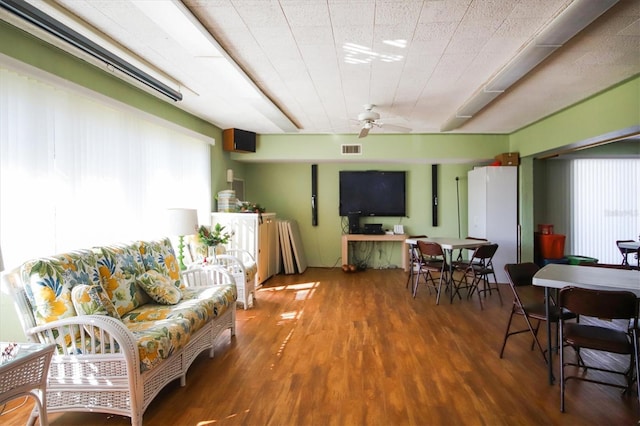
102 373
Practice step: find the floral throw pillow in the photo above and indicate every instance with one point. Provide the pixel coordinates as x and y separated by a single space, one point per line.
92 300
159 287
158 255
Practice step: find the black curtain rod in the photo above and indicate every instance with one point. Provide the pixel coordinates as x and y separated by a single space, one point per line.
58 29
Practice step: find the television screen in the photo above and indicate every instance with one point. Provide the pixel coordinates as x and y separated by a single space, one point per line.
372 193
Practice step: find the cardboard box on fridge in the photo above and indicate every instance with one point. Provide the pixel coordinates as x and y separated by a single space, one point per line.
508 159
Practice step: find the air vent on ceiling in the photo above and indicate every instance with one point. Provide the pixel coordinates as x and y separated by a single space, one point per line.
354 149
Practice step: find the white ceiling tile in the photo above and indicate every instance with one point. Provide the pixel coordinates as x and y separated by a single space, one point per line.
297 52
470 28
307 14
519 27
435 31
490 10
427 47
226 17
469 46
352 14
312 35
357 34
397 13
443 11
261 13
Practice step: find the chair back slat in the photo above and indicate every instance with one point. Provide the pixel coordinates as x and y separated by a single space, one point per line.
521 274
599 303
430 249
485 252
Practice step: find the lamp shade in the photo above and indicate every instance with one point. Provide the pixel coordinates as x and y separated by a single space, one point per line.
182 221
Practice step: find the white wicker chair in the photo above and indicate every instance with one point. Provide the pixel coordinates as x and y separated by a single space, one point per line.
198 275
241 264
26 375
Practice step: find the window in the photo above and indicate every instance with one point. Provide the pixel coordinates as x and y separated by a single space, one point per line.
605 204
78 169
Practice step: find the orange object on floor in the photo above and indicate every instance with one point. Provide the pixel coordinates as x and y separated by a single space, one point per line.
552 246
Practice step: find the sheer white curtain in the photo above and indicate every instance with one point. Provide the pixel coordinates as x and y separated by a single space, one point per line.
79 170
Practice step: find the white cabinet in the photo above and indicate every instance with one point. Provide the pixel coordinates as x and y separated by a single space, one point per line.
493 212
255 233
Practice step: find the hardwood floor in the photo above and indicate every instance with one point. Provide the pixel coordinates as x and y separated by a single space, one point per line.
329 348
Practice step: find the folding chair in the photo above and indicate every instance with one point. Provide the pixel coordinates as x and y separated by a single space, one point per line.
612 305
478 270
414 259
528 302
625 252
432 260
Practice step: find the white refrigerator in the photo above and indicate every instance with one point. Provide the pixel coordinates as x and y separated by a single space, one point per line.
493 212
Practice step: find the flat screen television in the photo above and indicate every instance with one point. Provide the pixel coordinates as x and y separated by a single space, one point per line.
372 193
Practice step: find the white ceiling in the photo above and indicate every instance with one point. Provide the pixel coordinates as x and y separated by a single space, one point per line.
313 64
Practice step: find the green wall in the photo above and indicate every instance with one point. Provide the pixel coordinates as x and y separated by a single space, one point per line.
611 111
394 148
285 188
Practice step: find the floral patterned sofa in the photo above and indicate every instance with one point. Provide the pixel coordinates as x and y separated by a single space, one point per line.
124 322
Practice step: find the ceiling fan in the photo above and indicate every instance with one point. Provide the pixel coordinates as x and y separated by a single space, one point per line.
370 119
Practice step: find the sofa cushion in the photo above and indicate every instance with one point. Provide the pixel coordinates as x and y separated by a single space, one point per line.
159 287
217 299
198 305
119 267
92 300
161 329
157 340
49 281
159 256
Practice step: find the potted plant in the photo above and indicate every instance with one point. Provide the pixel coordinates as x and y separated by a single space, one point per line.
249 207
214 237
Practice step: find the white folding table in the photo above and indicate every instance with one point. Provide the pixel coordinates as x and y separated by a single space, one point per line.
592 277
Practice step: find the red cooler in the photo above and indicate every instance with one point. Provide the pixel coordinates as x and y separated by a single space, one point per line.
552 246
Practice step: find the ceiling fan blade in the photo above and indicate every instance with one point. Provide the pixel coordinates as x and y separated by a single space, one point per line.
363 132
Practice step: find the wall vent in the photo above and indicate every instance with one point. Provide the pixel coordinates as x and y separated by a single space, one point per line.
354 149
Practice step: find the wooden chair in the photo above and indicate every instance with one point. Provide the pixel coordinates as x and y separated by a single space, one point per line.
613 305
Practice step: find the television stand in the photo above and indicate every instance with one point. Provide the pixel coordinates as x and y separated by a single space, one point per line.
346 238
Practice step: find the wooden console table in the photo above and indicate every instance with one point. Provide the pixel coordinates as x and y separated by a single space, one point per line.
346 238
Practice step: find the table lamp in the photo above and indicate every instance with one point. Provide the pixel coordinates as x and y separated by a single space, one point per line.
182 222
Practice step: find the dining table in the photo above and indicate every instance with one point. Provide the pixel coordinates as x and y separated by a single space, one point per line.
448 245
558 276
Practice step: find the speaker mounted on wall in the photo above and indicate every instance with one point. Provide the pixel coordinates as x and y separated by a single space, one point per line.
434 193
314 194
236 140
